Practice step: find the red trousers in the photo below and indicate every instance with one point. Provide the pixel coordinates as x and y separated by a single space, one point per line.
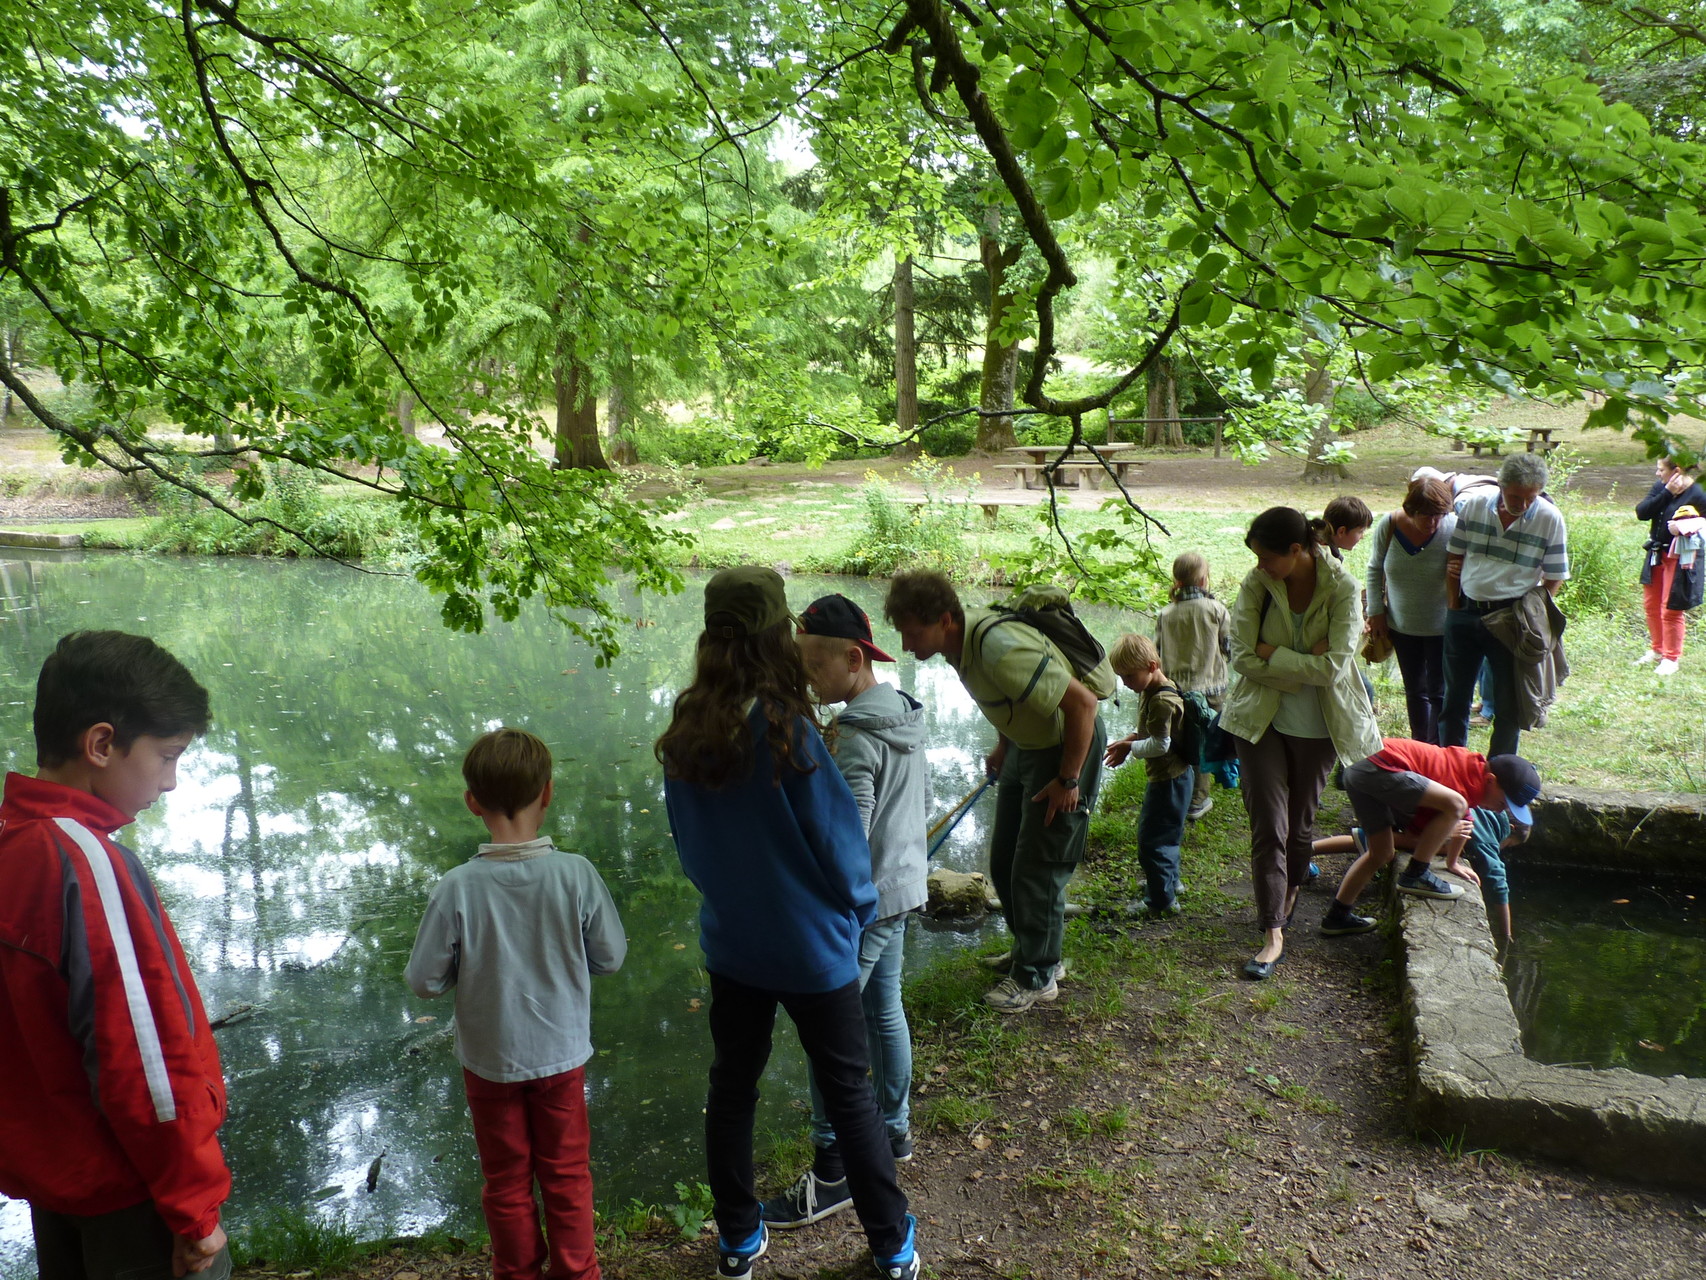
535 1130
1664 626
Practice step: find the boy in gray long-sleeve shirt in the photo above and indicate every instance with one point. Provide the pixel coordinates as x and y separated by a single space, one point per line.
518 931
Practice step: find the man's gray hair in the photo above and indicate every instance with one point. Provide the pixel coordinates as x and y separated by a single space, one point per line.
1523 471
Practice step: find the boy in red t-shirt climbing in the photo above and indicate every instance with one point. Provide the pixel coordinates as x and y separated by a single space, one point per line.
1408 780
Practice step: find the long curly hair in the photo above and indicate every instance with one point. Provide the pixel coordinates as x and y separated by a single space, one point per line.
707 742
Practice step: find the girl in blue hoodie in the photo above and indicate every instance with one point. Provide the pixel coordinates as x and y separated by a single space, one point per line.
770 835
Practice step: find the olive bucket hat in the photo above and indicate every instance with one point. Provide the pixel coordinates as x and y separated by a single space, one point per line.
745 600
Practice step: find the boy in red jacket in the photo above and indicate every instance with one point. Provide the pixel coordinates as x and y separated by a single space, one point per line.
111 1094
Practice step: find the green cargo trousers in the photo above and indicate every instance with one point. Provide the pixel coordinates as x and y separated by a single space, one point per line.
1029 863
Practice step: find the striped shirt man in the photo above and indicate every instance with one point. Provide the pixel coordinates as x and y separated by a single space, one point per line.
1501 563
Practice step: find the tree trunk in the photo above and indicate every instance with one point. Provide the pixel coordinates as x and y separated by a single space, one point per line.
1318 389
617 412
8 357
1000 359
1162 408
406 415
905 360
577 412
578 445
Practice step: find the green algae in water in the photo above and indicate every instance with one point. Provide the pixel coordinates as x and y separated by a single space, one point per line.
1608 973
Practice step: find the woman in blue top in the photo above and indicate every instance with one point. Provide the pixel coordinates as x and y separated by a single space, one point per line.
770 835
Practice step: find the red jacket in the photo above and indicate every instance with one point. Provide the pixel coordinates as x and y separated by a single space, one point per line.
110 1087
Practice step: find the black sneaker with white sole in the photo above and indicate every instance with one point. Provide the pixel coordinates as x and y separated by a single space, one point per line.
809 1200
901 1145
1425 884
1341 920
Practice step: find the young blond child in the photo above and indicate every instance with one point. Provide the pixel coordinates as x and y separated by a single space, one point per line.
518 930
1160 725
1193 635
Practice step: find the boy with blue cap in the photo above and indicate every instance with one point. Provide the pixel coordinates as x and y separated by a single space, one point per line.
1409 783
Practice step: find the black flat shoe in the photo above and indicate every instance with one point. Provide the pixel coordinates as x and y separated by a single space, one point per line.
1257 970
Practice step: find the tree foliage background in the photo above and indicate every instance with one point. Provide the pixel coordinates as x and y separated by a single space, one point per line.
283 231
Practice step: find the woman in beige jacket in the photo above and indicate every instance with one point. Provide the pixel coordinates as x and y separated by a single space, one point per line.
1296 704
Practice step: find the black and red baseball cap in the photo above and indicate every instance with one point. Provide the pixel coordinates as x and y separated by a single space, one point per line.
839 617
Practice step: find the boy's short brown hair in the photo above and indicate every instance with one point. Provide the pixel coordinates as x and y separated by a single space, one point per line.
1133 654
506 770
111 677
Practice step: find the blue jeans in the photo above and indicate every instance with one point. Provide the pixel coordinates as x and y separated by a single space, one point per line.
1467 645
882 947
1160 831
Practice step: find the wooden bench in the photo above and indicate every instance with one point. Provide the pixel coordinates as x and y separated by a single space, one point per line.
1069 474
1541 438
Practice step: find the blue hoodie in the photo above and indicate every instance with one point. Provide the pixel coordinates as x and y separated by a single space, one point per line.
785 871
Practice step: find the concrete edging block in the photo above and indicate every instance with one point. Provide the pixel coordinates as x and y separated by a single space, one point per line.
1468 1077
41 541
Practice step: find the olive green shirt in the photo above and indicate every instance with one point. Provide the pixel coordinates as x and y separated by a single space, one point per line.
1161 714
1018 678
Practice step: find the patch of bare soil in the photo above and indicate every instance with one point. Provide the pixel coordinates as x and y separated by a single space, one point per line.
40 508
1194 480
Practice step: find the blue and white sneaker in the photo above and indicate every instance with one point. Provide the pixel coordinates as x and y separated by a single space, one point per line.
1359 838
904 1265
1314 873
734 1262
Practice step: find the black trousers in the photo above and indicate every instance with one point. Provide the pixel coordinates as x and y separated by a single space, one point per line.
832 1032
126 1244
1421 662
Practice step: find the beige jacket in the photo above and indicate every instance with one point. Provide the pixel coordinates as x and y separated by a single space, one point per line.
1334 615
1189 634
1533 630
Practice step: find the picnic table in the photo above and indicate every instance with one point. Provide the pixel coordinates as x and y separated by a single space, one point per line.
1035 463
1539 441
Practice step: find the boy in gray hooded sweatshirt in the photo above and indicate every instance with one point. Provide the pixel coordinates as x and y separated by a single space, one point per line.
878 744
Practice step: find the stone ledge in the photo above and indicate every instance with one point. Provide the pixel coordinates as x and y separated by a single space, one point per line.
40 541
1468 1076
1639 831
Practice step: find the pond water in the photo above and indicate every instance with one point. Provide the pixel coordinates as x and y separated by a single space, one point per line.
1608 973
310 824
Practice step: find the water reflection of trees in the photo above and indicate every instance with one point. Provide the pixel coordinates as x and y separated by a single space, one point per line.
1594 975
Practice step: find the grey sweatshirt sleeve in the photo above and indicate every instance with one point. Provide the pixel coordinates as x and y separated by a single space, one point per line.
433 962
601 928
856 757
